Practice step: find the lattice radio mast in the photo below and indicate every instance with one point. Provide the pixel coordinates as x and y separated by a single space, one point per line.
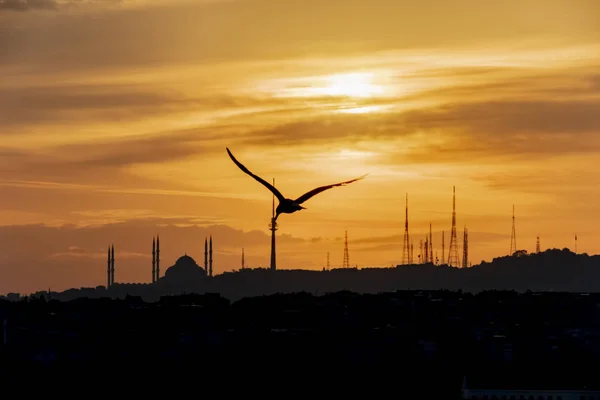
328 263
513 235
443 248
406 245
537 245
453 253
465 260
243 259
411 260
430 245
346 263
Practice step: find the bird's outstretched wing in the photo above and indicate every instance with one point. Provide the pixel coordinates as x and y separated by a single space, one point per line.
318 190
258 178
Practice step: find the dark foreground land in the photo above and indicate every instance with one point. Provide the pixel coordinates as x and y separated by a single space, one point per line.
408 340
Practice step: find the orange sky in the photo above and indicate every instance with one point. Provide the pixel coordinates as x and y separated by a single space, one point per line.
114 117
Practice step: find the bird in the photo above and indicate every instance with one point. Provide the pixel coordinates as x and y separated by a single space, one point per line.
289 206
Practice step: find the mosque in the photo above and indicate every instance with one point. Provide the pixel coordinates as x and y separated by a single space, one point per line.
185 271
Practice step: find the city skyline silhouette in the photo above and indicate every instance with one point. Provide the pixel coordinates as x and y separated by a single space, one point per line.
115 135
464 265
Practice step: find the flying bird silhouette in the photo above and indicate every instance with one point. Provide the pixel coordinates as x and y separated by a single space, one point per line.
289 206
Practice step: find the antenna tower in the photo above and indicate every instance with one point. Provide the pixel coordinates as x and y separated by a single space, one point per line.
273 228
411 259
453 254
465 260
421 260
513 236
537 245
575 243
112 265
243 259
430 245
153 260
328 263
443 248
346 263
406 246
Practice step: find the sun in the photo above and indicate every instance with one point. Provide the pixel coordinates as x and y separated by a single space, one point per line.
351 84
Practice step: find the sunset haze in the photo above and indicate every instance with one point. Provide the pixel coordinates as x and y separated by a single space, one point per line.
115 116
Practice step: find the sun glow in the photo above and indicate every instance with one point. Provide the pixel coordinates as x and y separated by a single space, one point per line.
352 85
363 109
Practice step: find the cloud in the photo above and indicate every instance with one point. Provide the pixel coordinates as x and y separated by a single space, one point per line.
231 30
458 132
511 117
80 103
26 5
330 128
98 166
33 5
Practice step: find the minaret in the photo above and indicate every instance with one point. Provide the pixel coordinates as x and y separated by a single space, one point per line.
108 269
206 255
153 260
112 266
157 258
210 260
273 228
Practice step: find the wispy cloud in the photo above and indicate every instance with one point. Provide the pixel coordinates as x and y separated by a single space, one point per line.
26 5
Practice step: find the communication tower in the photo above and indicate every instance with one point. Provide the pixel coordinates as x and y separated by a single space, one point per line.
453 254
443 248
406 246
346 263
465 260
513 236
430 245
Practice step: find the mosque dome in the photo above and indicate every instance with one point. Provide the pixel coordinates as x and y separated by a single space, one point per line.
185 268
185 261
